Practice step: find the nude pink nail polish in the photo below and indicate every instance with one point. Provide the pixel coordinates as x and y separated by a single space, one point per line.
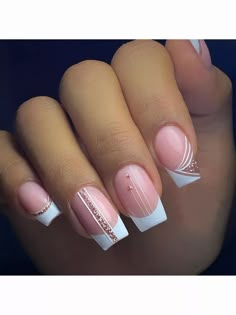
139 197
98 216
36 201
175 152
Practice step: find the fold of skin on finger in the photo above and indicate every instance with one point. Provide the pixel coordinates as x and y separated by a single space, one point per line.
15 174
40 122
91 94
146 74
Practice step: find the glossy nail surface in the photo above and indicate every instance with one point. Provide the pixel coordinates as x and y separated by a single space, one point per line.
139 197
99 218
175 153
36 201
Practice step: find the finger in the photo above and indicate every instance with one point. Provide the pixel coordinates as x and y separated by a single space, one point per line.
91 94
195 73
208 95
51 146
146 75
205 88
20 186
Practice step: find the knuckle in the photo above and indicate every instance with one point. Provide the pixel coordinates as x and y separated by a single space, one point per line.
5 136
29 109
137 48
66 171
113 143
84 73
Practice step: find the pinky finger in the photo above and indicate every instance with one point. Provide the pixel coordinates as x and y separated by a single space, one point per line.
20 187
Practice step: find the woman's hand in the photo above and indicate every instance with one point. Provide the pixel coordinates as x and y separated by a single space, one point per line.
156 119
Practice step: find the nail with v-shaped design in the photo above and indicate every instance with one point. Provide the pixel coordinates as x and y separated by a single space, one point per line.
175 152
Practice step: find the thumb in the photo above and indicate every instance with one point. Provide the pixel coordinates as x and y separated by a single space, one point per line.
207 92
205 88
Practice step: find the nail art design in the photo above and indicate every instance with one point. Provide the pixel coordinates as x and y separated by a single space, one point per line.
175 152
188 171
97 215
36 201
45 208
95 212
139 197
48 213
138 194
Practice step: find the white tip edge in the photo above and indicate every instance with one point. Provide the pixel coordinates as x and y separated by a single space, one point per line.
158 216
196 45
48 216
182 180
119 230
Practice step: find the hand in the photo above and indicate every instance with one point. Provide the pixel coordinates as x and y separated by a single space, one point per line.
139 127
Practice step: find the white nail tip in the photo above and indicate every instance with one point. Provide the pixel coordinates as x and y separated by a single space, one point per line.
182 180
158 216
196 45
48 216
119 230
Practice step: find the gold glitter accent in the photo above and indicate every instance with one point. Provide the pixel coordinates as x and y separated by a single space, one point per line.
188 166
44 209
192 168
102 222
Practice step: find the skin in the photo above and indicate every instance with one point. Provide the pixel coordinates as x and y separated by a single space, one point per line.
116 110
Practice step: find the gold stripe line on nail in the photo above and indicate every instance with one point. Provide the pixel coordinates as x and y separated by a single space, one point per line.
89 203
45 208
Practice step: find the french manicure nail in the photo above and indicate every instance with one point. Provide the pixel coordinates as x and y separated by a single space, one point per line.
139 197
203 51
99 218
175 153
36 201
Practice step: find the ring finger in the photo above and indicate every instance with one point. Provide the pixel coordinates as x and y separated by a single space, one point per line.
91 94
50 145
146 74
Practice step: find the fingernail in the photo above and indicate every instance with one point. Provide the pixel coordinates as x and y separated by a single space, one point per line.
203 51
175 153
139 197
99 218
36 201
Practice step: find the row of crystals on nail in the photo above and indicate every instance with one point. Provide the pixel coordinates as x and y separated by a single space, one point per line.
45 208
102 222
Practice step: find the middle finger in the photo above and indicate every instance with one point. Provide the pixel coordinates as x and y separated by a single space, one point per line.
91 94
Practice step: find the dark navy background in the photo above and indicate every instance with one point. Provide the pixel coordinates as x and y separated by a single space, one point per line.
32 68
